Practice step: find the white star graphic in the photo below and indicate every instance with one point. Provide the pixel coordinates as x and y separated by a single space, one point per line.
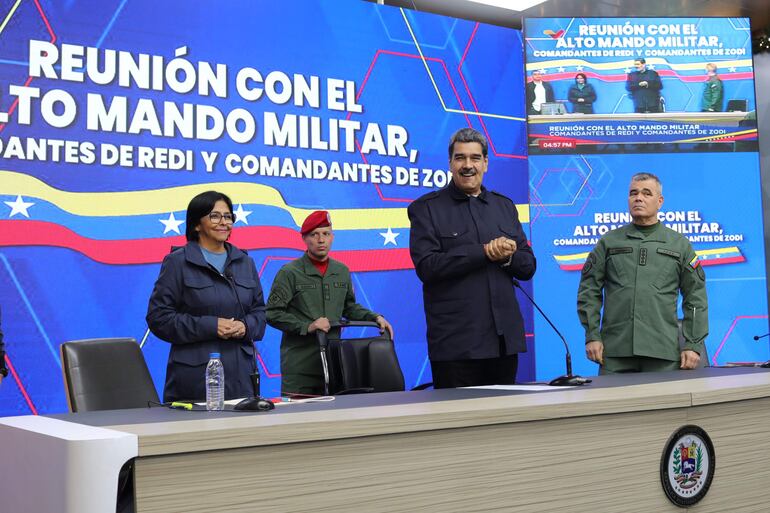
579 67
731 69
241 215
561 69
171 224
19 207
390 236
650 66
627 71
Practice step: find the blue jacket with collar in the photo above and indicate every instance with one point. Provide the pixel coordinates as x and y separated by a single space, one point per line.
188 298
645 98
469 301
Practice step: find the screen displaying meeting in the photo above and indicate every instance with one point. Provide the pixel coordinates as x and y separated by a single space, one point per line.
611 85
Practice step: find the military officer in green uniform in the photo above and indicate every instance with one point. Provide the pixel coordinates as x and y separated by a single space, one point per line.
712 90
637 272
307 295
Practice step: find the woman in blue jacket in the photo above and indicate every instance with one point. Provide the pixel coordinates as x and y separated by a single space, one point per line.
582 95
208 299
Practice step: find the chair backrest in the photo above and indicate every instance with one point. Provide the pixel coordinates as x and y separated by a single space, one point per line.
737 105
106 374
363 363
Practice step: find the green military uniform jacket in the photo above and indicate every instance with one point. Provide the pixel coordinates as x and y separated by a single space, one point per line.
712 95
638 280
299 296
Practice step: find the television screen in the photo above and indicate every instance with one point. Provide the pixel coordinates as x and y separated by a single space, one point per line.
645 84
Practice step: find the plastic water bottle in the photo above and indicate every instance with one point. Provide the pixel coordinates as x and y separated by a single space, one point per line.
215 384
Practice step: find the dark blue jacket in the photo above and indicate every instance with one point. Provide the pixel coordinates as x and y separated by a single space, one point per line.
188 298
646 99
469 301
587 93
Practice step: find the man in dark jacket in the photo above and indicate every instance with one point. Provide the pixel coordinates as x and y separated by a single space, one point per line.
538 92
644 85
467 245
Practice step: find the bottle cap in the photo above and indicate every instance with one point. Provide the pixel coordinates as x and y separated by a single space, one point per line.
214 355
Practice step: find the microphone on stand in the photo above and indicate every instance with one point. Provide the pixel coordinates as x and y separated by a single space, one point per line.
567 379
323 344
757 337
228 275
255 378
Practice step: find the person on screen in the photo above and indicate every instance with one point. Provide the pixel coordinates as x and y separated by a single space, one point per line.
644 85
467 246
582 95
712 90
636 273
3 367
538 93
308 294
208 299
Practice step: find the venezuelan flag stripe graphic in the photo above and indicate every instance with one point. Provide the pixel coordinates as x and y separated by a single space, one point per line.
706 257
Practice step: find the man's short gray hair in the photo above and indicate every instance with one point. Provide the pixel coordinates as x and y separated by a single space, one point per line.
638 177
468 135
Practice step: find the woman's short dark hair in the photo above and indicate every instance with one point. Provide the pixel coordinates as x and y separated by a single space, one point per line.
200 206
585 78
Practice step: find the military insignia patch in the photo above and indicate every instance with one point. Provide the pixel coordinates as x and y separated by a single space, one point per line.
668 252
275 297
589 264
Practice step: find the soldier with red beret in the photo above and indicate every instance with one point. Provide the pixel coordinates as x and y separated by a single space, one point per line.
308 294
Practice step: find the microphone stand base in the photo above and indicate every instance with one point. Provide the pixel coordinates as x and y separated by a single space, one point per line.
568 381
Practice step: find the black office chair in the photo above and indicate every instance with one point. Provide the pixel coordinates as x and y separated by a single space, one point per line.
106 374
737 105
359 365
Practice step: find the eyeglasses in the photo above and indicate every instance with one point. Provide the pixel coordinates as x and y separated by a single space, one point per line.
216 217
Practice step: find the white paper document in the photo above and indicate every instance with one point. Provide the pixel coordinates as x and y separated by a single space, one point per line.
527 388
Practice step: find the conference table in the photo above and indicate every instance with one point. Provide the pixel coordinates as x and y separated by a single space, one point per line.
592 448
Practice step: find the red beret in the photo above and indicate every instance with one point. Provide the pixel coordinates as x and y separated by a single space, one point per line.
317 219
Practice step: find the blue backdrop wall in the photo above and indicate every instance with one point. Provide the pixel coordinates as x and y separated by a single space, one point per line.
112 119
365 97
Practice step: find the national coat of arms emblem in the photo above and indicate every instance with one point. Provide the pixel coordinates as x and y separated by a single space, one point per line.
687 466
